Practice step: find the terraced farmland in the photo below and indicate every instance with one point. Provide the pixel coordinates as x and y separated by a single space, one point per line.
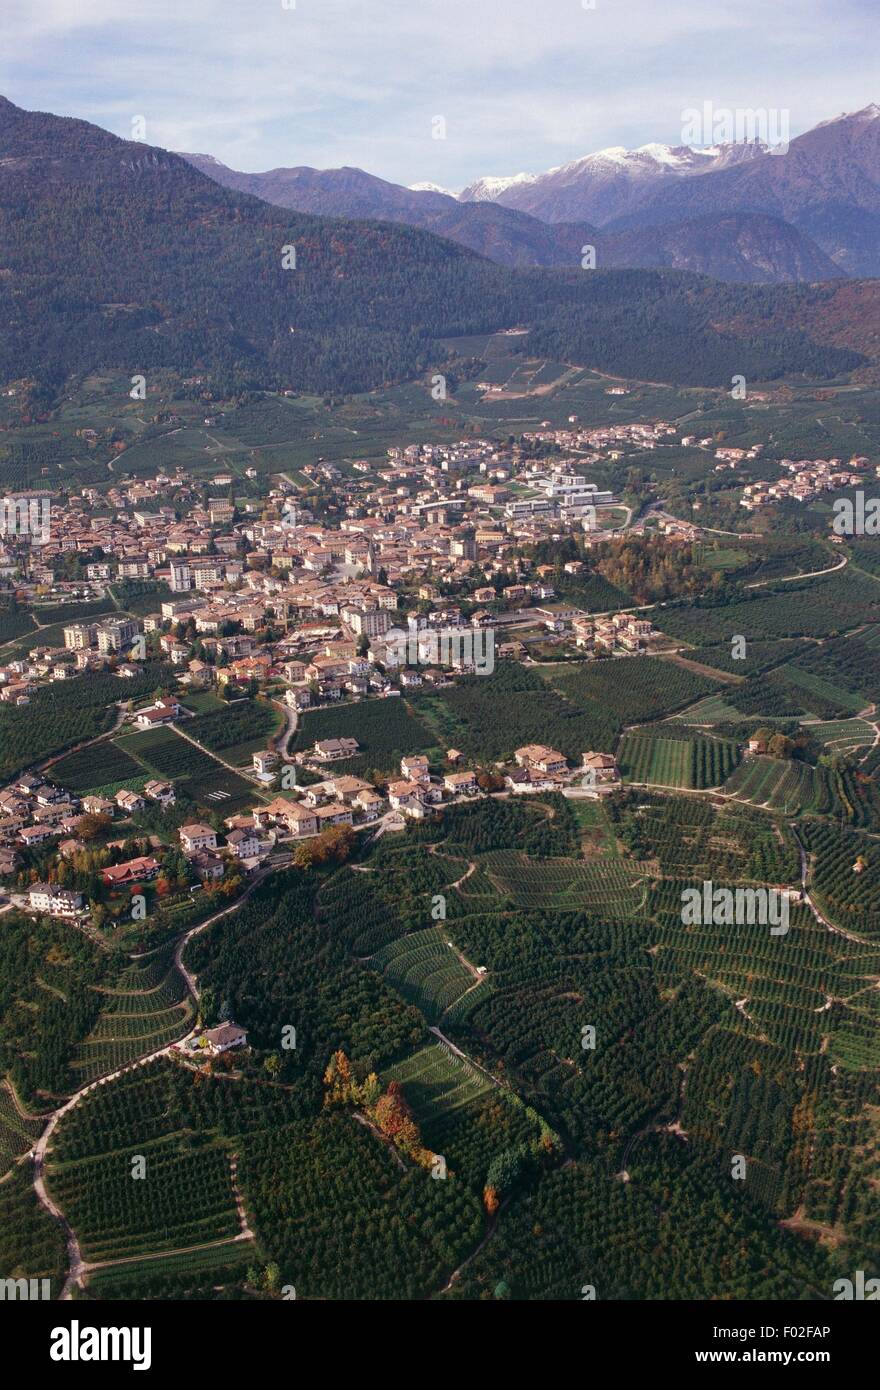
147 1010
426 970
780 785
436 1082
606 886
841 735
186 1198
17 1132
714 709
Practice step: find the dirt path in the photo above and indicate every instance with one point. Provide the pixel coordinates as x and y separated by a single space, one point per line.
77 1267
790 578
819 916
208 752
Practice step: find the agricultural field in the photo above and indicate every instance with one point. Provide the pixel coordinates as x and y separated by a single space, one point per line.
821 607
436 1082
608 887
186 1197
200 777
14 622
386 730
236 730
145 1010
714 709
785 786
632 688
198 1273
18 1132
841 735
666 761
66 713
425 967
693 838
758 656
844 876
102 765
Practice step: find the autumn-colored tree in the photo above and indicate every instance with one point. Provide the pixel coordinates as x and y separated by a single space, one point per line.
491 1200
89 826
337 1078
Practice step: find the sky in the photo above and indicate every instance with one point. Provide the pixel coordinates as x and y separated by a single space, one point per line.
519 84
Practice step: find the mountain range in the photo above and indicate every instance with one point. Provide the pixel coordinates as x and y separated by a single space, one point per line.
116 253
740 212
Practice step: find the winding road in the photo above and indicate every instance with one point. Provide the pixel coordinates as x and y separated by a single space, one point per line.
78 1268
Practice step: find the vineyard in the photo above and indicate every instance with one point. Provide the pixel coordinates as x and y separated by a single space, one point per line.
425 968
608 887
845 872
101 765
487 717
842 735
814 608
201 778
436 1082
147 1009
788 787
185 1198
18 1133
676 761
633 688
67 712
238 730
689 838
386 730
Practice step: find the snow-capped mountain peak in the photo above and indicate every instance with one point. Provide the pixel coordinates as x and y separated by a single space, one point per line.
487 189
431 188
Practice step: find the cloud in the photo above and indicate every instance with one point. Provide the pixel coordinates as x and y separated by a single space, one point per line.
521 83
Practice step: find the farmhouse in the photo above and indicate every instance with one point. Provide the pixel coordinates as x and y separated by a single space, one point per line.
224 1037
162 792
602 771
197 837
544 759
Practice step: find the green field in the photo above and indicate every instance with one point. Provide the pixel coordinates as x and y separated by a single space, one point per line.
699 762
